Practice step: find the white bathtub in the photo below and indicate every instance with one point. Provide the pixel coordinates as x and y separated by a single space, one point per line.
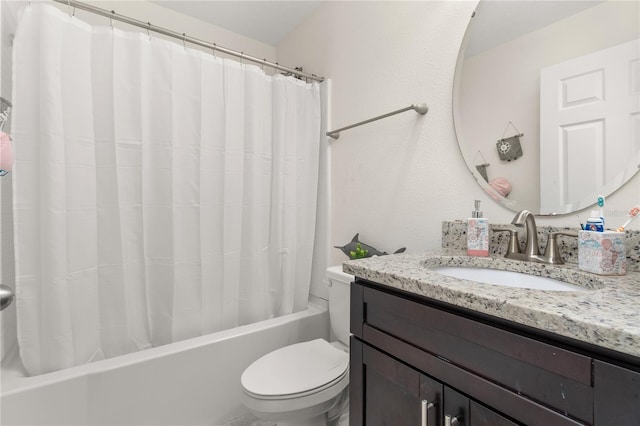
193 382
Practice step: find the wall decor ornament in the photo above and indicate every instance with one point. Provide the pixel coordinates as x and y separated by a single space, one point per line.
510 148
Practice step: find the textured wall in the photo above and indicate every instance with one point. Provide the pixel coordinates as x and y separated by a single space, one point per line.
396 180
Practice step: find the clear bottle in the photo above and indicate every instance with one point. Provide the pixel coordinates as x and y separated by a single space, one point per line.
477 233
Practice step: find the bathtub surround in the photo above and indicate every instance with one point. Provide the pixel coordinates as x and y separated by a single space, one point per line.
183 383
167 194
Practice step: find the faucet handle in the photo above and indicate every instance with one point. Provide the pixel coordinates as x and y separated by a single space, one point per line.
514 244
552 252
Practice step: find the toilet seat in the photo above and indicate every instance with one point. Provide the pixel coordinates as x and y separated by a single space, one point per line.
296 371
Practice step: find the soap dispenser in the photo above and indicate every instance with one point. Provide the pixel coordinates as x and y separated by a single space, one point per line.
477 233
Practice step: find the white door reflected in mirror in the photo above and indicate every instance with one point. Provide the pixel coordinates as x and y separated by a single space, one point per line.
589 125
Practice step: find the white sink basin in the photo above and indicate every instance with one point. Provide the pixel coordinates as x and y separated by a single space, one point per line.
507 278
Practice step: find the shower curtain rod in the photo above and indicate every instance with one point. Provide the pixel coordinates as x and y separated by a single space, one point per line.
419 108
185 38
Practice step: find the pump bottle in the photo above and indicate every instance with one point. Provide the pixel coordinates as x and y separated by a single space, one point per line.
477 233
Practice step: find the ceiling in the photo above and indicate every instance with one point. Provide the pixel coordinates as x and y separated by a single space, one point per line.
269 21
263 20
502 21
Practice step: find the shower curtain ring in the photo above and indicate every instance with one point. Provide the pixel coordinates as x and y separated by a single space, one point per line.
149 30
184 40
241 58
215 47
113 12
72 11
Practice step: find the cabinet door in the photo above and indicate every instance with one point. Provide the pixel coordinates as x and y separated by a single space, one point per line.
456 408
461 411
617 395
479 415
391 391
431 401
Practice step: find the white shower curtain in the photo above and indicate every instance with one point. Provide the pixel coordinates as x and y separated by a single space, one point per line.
160 193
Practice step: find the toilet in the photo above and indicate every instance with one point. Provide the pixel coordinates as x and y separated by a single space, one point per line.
306 384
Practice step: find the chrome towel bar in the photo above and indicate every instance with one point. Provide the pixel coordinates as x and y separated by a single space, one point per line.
419 108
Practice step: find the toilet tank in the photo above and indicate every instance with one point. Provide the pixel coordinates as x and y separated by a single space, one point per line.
339 297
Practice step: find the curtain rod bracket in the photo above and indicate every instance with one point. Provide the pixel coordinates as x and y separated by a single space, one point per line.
419 108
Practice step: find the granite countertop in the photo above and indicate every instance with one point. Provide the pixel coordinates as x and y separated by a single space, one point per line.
607 315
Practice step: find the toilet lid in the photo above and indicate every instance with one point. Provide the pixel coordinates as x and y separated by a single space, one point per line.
295 369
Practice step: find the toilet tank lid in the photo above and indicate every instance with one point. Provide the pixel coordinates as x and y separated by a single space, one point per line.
335 273
295 369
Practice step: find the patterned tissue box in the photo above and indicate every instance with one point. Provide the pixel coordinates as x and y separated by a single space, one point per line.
602 253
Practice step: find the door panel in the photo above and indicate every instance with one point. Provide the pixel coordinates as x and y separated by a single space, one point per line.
391 391
431 392
456 406
589 124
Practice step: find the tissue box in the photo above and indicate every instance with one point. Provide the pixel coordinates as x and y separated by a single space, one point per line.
602 253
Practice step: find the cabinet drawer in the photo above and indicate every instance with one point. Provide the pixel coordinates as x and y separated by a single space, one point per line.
386 392
544 373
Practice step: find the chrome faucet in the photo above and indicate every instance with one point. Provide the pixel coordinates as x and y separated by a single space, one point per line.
532 249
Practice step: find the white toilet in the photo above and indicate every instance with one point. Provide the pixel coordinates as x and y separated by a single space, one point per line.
305 384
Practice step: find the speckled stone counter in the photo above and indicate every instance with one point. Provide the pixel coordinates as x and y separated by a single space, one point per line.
607 315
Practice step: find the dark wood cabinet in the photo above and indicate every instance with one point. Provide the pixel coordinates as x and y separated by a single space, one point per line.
617 395
408 354
396 394
393 390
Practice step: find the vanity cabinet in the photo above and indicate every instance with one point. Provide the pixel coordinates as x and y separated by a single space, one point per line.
410 353
396 394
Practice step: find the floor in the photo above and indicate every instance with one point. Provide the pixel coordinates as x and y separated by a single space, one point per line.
248 420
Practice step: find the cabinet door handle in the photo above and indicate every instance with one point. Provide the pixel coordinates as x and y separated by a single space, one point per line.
425 406
450 421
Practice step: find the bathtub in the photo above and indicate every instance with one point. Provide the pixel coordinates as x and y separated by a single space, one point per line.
192 382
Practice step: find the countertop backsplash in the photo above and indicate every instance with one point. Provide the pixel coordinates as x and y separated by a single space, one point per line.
454 235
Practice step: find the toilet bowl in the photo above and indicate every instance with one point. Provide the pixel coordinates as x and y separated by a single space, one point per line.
305 384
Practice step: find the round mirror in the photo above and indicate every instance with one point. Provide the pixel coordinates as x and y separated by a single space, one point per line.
546 101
